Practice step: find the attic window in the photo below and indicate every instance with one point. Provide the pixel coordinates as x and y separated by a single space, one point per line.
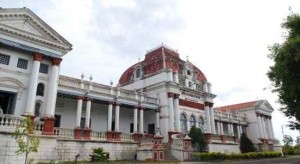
138 73
188 72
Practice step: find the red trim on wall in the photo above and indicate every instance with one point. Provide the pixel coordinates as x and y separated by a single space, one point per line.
191 104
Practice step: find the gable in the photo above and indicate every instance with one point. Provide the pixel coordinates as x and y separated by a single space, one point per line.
25 25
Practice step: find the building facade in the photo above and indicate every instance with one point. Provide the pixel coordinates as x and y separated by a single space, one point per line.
158 98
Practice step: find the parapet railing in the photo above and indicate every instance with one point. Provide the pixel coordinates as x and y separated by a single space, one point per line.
105 89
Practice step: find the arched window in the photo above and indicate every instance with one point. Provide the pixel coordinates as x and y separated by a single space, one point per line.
38 109
183 123
188 72
201 123
192 121
40 89
138 73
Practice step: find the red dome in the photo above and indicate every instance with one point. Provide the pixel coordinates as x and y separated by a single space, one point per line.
156 60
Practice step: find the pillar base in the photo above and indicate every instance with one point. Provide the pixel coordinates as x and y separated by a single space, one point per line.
170 136
207 137
136 137
77 133
109 135
117 136
223 139
48 125
87 133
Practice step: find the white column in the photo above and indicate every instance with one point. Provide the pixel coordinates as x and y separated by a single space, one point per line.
271 127
79 109
141 120
52 89
263 127
207 113
171 111
260 131
221 127
231 129
117 121
212 119
157 119
135 118
109 117
238 131
176 112
176 79
88 113
30 103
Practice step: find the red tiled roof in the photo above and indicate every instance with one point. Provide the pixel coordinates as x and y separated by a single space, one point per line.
155 60
237 106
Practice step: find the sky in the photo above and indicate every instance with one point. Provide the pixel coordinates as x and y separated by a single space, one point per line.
228 40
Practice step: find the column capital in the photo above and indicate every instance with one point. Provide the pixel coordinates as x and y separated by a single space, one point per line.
210 104
136 107
258 114
88 99
56 61
37 56
110 103
117 104
141 108
170 94
176 95
80 97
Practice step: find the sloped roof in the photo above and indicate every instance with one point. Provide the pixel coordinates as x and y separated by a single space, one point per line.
238 106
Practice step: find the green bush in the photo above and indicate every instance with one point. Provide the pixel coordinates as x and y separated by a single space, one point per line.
99 155
288 150
233 156
297 149
246 145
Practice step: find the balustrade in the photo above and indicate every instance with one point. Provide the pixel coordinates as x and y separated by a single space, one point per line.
98 135
63 132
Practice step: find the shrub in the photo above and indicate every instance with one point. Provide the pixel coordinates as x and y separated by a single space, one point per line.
99 155
288 150
246 145
233 156
198 140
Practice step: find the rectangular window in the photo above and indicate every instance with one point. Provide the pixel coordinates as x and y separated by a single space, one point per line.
22 63
4 59
44 68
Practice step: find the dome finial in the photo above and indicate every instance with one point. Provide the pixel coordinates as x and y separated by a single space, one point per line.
139 59
187 58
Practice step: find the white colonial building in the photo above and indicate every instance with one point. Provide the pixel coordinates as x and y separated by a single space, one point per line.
155 102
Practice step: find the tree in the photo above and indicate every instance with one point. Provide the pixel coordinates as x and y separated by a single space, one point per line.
198 140
285 73
287 140
25 137
246 145
297 141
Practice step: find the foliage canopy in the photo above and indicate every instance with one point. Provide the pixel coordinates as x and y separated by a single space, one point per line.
285 73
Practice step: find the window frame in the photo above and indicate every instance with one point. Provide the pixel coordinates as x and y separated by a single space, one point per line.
41 70
3 58
22 61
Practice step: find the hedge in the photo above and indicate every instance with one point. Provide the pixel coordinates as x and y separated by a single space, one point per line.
234 156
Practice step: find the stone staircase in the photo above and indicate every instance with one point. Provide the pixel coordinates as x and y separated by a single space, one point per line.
168 153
